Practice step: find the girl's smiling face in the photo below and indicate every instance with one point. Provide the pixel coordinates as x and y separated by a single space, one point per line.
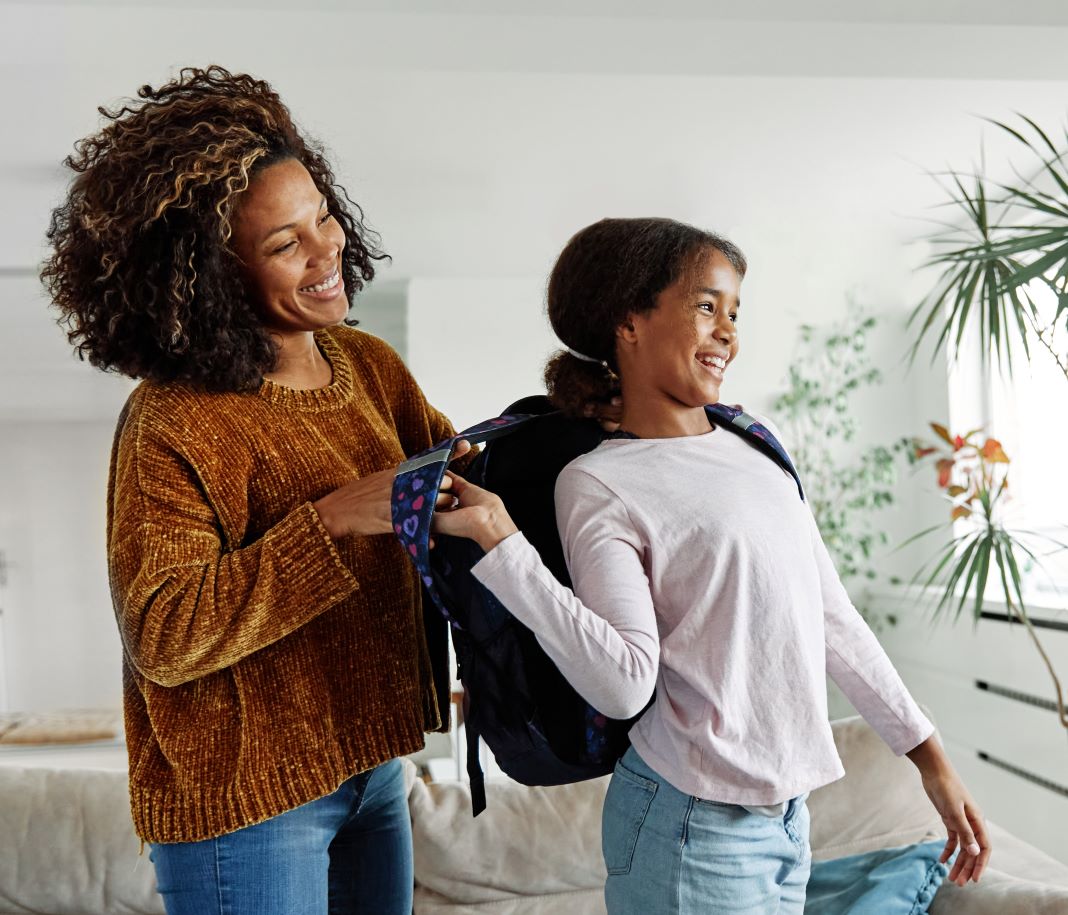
677 353
291 247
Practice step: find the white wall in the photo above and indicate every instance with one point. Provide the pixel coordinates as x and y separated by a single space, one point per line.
61 638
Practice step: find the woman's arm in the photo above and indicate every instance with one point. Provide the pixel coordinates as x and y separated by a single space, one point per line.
606 643
186 605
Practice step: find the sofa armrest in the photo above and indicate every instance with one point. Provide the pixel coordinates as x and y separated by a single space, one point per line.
67 845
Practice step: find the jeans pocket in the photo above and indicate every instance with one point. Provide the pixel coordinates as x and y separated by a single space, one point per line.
626 805
797 821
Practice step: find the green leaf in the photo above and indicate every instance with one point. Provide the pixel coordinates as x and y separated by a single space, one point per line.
983 574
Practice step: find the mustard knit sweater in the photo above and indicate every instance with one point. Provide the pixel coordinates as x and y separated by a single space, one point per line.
263 662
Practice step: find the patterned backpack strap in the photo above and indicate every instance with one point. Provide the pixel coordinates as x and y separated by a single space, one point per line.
416 487
740 422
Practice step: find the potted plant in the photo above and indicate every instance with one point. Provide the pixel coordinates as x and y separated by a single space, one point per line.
974 475
1004 275
846 492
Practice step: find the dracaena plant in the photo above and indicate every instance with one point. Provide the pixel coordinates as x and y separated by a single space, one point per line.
1003 256
973 473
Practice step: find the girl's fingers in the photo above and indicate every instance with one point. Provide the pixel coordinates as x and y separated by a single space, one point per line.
979 827
947 852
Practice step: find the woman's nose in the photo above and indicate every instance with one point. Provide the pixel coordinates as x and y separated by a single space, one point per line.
327 249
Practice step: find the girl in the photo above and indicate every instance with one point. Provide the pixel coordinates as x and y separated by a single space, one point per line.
699 573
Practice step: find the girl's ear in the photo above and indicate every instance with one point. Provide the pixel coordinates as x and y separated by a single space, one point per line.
626 332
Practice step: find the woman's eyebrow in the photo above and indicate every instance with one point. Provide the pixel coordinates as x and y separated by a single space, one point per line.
290 225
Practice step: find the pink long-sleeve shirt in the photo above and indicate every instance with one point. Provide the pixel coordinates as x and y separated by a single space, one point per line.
698 572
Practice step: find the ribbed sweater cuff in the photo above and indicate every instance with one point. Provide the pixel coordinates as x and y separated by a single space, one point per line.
313 566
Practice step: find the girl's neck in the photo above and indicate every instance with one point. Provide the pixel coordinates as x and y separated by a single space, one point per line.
300 364
648 418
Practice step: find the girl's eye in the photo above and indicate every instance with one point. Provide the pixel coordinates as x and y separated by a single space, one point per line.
734 318
285 247
707 306
327 216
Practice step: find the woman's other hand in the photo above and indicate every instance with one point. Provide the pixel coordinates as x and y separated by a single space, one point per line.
362 507
962 817
476 514
607 414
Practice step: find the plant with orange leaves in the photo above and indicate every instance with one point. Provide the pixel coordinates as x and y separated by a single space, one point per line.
975 477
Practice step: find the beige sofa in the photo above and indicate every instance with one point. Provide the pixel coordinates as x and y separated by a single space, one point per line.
67 848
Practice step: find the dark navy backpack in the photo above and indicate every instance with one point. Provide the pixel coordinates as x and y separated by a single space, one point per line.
540 730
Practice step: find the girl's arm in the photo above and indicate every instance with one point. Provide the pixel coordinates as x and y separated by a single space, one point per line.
962 817
606 643
859 665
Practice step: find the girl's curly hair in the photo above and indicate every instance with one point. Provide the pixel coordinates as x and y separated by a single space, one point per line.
608 271
142 271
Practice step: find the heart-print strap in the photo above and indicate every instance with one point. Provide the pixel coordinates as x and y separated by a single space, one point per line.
415 491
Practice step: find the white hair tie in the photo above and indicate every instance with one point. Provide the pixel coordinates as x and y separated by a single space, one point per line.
579 355
601 362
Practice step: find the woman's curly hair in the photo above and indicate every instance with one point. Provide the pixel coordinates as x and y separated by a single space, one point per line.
607 272
142 271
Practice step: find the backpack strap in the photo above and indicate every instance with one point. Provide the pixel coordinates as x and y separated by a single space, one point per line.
757 434
415 491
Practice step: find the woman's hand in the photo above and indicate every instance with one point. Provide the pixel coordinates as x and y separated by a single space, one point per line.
363 506
476 514
608 414
961 815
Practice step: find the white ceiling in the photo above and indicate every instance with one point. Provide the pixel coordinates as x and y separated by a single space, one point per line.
950 12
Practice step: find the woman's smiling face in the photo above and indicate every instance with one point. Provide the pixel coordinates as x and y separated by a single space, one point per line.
290 245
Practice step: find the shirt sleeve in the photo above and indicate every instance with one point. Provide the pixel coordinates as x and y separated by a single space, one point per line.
186 605
859 665
603 635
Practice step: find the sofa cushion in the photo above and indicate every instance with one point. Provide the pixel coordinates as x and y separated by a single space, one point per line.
528 842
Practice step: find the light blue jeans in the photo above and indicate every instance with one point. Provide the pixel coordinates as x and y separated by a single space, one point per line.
668 853
349 852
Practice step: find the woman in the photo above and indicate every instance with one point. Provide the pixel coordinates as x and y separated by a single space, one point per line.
698 573
275 661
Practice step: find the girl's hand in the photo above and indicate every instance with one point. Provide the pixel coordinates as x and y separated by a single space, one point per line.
363 506
476 514
961 815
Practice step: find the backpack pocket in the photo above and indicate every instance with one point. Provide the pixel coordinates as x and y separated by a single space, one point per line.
626 805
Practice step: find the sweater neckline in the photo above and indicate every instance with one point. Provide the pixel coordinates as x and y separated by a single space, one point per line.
332 395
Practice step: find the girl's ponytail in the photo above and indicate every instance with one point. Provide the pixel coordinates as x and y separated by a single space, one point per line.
572 382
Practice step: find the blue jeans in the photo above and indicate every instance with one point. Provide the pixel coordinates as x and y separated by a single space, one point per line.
668 853
348 852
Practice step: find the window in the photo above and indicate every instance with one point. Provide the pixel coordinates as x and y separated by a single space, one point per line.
1028 413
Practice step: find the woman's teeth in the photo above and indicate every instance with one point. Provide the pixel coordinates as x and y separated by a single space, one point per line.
718 361
329 283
